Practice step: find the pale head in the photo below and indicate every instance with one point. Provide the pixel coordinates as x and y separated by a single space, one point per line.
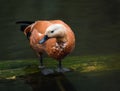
55 31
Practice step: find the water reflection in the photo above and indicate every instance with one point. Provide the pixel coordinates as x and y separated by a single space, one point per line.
73 81
37 82
56 82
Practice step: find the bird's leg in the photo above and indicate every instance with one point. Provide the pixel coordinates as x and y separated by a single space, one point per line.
60 64
44 70
60 68
41 66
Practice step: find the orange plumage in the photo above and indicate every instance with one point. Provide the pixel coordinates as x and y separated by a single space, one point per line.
60 40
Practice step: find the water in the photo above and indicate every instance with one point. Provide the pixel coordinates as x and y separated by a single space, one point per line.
73 81
96 24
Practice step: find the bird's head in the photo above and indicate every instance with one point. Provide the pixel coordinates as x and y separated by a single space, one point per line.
54 31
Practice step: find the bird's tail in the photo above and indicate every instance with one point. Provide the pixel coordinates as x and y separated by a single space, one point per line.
24 24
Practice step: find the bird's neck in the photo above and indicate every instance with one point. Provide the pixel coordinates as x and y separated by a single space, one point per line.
61 39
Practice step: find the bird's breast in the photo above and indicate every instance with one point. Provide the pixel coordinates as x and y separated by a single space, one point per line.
59 47
58 50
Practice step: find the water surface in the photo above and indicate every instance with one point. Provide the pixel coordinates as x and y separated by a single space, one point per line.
96 24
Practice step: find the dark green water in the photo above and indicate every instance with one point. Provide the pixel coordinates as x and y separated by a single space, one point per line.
73 81
96 24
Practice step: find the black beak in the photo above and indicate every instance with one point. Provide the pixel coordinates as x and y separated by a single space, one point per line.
45 38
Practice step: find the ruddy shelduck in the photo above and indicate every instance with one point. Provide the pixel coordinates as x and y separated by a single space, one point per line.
54 37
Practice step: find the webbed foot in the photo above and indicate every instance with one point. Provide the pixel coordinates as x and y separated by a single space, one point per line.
41 67
62 70
47 71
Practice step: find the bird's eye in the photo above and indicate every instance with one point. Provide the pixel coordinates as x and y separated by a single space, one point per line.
52 31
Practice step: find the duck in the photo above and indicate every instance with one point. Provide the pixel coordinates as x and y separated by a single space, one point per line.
53 37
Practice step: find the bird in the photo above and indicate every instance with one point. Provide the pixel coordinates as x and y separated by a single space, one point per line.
53 37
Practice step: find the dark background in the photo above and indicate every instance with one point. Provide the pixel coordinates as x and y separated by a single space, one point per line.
96 24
